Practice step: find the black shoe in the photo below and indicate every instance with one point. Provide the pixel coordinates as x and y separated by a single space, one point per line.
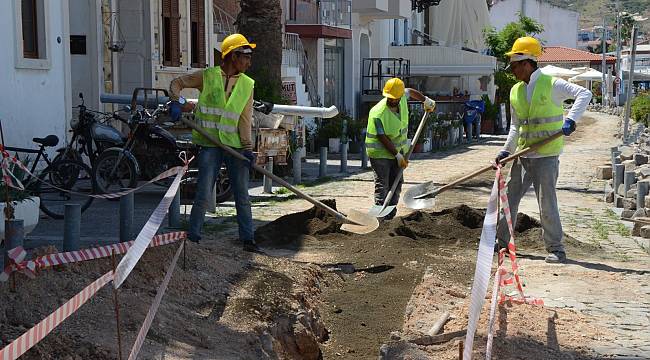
194 239
556 258
253 248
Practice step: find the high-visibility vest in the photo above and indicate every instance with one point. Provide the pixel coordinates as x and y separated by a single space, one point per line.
394 128
220 118
539 119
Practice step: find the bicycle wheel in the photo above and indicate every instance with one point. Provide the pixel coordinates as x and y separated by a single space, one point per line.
64 182
112 176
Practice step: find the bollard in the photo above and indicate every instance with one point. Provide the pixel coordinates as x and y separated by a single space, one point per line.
174 214
322 166
615 157
478 127
268 182
71 227
364 156
628 179
469 132
212 199
297 166
641 192
14 236
126 216
619 171
344 158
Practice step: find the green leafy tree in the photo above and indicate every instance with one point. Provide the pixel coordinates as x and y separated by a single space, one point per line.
500 42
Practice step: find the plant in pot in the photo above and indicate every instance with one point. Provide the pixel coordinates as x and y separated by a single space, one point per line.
18 203
355 129
329 133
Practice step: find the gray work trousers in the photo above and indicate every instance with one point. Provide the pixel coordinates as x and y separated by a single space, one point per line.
386 171
542 174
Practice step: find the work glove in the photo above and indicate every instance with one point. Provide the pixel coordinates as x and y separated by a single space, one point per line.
401 161
250 156
175 110
502 155
568 127
429 104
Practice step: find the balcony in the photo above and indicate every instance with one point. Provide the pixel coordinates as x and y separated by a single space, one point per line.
442 60
325 19
382 9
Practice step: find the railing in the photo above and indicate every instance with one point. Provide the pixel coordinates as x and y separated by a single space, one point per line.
293 54
224 23
376 71
327 12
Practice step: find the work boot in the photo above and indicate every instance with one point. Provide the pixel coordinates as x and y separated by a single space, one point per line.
556 258
253 248
391 215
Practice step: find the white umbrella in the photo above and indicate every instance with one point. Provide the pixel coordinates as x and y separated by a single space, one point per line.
593 75
581 70
558 71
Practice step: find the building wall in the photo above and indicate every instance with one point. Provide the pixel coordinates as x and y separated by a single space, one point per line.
560 25
35 102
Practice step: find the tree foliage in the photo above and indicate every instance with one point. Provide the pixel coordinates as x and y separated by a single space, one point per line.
500 42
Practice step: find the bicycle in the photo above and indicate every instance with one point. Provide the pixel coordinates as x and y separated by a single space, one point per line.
61 182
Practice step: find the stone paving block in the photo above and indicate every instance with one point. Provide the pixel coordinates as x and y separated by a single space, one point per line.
645 231
647 201
643 170
609 196
631 194
629 204
627 213
618 201
640 159
604 172
629 165
636 229
621 189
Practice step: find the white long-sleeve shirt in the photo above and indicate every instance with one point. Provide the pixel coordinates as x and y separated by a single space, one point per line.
562 90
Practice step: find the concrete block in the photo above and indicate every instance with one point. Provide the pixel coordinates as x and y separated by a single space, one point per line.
604 172
636 229
643 170
621 190
629 165
631 193
629 204
647 201
640 159
618 201
627 152
645 231
609 196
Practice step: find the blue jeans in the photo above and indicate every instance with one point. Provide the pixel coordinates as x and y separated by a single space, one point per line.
210 160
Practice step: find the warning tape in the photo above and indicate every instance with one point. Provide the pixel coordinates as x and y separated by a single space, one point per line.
30 338
142 334
49 260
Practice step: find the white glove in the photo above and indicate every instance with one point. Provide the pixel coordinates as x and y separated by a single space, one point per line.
429 104
401 161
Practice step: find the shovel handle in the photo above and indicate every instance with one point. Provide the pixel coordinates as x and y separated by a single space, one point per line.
408 156
505 160
275 178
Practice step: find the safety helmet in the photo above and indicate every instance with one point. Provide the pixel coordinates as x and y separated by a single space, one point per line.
394 88
526 46
233 42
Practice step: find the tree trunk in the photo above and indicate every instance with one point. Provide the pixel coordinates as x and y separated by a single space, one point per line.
261 22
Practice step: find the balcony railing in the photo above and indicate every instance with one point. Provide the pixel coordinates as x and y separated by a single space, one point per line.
223 23
294 55
336 13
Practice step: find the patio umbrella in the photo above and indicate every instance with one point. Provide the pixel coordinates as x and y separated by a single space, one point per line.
558 71
591 75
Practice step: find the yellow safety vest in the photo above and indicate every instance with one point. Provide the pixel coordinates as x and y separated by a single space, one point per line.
395 129
539 119
220 118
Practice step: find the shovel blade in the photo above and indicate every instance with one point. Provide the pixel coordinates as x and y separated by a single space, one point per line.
413 197
380 211
364 223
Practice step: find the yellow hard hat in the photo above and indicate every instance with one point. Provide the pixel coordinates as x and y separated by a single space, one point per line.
394 88
233 42
526 46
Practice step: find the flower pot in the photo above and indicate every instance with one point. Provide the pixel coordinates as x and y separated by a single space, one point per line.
27 210
334 145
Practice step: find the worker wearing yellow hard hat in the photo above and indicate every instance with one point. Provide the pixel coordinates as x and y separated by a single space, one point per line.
536 114
224 110
386 137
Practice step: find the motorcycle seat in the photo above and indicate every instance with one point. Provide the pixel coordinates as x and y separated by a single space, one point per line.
50 140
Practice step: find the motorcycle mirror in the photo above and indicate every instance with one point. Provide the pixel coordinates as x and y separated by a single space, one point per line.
81 95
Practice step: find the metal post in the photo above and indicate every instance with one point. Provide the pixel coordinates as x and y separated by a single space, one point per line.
14 236
619 72
619 171
641 192
126 216
268 182
628 92
344 157
174 215
478 126
71 227
615 157
469 134
297 166
604 64
212 200
628 179
364 156
322 168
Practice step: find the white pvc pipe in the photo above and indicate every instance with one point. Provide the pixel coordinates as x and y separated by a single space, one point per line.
320 112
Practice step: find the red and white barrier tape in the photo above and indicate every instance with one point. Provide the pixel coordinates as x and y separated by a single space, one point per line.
30 338
144 329
49 260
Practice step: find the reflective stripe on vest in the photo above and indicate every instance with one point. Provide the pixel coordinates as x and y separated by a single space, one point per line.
395 129
539 119
219 117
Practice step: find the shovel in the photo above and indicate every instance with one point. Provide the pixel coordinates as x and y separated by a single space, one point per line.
385 209
356 221
423 196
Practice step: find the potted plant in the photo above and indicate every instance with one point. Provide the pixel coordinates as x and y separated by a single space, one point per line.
17 203
355 129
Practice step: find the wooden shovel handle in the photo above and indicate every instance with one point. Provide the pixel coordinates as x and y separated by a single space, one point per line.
505 160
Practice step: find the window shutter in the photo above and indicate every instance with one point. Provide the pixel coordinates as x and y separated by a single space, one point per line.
175 34
197 28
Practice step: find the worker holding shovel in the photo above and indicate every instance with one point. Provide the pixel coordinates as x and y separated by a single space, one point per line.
537 114
225 111
386 138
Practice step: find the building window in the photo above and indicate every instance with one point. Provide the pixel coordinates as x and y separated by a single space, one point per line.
197 28
171 34
31 34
